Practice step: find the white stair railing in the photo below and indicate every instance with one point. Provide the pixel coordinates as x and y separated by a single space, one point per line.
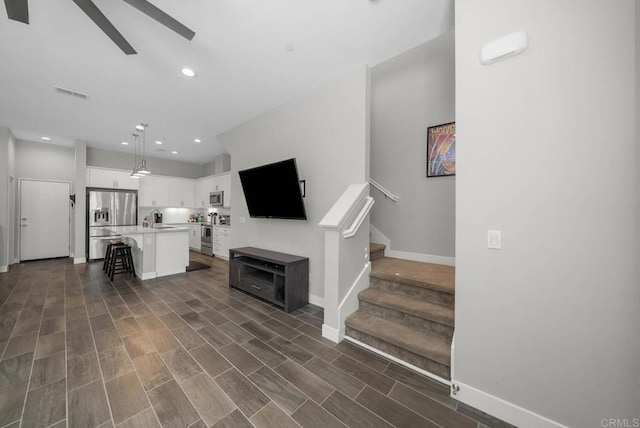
357 222
386 192
346 260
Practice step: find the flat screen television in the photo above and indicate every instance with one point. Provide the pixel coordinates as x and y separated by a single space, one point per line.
273 191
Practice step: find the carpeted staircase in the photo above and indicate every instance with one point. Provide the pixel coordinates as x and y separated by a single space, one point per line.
407 312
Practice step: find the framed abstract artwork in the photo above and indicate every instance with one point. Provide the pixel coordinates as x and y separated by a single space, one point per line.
441 150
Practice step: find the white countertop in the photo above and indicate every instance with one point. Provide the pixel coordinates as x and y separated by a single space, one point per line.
130 230
198 224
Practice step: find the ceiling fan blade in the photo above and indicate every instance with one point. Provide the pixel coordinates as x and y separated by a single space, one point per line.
105 25
147 8
17 10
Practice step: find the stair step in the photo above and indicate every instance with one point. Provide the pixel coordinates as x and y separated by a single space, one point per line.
376 251
429 311
402 354
424 275
412 291
417 342
408 311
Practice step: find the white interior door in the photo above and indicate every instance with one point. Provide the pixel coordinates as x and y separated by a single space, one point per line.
44 219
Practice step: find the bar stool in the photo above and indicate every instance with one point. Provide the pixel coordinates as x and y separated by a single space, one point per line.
120 261
107 255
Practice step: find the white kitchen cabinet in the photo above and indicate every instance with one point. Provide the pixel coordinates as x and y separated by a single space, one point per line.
203 188
221 240
145 194
199 201
194 237
161 191
225 186
188 193
111 179
181 193
125 181
154 192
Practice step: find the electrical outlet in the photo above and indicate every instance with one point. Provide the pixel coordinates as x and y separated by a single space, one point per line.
242 219
494 239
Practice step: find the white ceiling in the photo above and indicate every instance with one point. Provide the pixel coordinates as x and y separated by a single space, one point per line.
239 52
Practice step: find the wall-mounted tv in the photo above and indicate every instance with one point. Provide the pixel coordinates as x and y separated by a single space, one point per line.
273 191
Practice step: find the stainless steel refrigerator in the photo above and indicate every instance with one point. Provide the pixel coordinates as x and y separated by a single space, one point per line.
106 209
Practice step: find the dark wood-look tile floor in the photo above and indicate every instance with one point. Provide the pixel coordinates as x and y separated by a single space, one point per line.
78 350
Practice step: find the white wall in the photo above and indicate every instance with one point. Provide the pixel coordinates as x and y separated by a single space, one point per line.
118 160
80 207
45 161
6 205
548 153
409 93
220 164
326 131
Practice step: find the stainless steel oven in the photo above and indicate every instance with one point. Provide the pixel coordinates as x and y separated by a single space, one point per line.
206 240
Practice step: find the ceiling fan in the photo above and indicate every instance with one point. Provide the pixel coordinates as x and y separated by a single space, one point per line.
18 10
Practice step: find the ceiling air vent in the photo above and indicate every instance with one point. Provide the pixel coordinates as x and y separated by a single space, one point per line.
71 93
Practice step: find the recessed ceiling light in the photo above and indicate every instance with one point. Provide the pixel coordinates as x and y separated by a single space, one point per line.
158 142
124 143
188 72
46 138
197 141
174 152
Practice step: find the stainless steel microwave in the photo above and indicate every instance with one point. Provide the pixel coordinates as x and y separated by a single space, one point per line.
216 199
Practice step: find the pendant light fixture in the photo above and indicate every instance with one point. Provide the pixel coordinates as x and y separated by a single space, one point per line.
136 145
142 169
140 162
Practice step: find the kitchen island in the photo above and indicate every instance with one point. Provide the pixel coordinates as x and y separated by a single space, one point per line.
157 251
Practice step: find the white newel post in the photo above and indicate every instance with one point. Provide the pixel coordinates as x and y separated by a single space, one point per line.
331 325
346 271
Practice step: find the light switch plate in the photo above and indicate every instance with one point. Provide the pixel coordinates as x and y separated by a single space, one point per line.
494 239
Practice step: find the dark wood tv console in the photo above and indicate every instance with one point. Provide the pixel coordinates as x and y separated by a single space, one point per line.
281 279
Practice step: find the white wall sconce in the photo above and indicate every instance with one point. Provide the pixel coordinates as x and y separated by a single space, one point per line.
504 47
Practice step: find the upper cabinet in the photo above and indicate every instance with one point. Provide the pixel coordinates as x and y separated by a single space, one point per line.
154 192
215 183
167 192
225 185
181 193
158 191
145 195
202 192
111 179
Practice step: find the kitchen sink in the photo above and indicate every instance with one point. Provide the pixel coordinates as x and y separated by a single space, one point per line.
165 227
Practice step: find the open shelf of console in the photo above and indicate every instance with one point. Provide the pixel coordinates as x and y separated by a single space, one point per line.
279 278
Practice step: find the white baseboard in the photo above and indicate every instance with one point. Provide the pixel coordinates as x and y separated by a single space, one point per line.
502 409
331 333
379 238
143 276
4 269
79 260
16 260
399 361
419 257
316 300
